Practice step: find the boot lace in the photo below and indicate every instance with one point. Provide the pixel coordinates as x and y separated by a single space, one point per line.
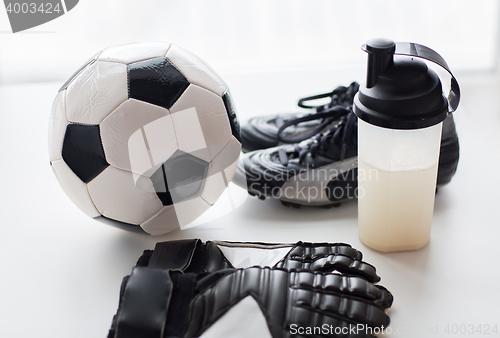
340 97
339 135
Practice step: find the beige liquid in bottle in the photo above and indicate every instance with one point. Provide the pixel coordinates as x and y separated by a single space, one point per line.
395 208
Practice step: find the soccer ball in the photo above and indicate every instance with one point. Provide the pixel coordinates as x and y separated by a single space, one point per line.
144 137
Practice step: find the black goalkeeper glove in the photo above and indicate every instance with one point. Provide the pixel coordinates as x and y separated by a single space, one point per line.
253 302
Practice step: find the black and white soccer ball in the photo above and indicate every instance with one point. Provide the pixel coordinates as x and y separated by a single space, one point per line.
144 137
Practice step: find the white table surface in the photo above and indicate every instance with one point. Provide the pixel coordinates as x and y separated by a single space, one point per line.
61 271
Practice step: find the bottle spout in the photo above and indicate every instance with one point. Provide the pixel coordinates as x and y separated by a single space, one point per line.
380 57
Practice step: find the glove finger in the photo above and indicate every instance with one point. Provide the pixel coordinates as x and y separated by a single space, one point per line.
353 287
340 298
327 257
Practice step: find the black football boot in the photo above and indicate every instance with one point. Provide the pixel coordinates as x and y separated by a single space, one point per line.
262 132
322 170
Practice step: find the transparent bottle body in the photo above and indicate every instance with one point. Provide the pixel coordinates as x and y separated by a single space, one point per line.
397 172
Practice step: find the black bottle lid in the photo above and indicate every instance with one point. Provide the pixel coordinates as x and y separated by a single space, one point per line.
402 93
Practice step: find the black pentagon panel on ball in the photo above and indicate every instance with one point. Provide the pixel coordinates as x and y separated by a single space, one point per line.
180 178
159 184
231 114
83 152
156 81
121 225
81 69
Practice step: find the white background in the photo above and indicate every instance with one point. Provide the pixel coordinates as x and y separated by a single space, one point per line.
61 271
252 36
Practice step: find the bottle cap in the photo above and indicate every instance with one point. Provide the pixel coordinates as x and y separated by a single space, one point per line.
403 93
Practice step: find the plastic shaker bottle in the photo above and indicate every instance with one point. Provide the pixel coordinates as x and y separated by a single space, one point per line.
400 109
